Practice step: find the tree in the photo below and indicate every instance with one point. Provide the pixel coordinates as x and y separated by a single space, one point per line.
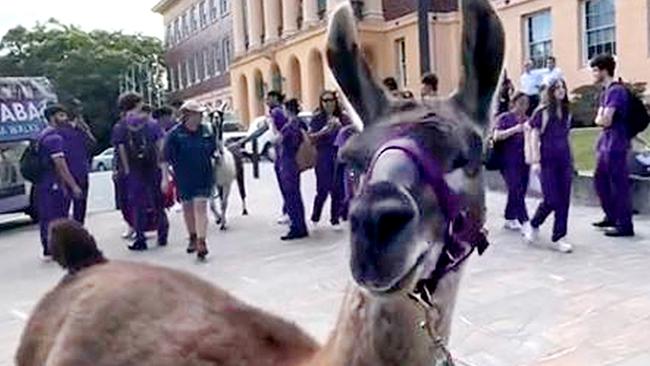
82 65
585 101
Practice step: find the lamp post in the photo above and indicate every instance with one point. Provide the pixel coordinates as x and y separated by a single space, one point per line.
423 32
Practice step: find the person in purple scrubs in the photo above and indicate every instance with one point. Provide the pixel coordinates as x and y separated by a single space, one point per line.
509 135
79 206
347 179
276 120
290 141
551 124
139 143
324 128
611 177
64 166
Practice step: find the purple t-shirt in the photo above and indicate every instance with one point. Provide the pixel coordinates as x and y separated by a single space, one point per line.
68 142
512 147
555 137
615 137
279 118
345 134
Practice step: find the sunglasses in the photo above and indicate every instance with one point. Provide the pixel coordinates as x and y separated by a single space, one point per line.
328 100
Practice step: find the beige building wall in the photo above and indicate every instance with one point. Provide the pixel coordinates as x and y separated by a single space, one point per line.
301 60
632 34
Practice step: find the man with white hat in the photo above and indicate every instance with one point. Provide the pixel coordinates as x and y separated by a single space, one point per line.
189 148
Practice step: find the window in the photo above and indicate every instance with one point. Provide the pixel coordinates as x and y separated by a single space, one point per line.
185 25
200 66
226 53
224 7
203 17
599 28
538 37
169 35
193 18
177 30
217 59
171 76
182 71
191 71
400 61
208 60
322 8
213 10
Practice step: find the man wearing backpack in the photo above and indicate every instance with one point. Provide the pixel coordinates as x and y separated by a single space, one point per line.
64 162
611 177
139 143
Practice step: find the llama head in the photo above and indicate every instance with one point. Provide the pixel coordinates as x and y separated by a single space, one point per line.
419 160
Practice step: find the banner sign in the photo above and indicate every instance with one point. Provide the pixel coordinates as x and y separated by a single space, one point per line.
22 102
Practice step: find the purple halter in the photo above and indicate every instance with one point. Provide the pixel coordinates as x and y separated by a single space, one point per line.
463 234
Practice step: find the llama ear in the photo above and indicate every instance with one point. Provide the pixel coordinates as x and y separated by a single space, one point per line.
351 70
482 59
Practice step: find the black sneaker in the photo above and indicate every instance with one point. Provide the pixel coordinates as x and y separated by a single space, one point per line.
294 236
619 233
138 246
604 224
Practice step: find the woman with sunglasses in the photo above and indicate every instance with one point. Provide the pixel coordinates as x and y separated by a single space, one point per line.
324 128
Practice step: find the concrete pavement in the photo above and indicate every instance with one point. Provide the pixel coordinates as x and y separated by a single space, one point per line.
518 305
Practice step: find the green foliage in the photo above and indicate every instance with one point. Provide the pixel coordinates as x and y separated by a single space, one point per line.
82 65
584 104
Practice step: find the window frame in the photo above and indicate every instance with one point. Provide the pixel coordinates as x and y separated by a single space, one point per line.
584 34
401 62
204 20
224 8
528 30
226 53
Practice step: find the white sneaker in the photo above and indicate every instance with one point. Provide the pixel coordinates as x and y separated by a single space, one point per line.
512 225
46 258
562 246
284 220
531 234
128 234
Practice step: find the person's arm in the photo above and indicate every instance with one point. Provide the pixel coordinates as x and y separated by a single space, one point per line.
63 172
535 143
605 116
332 124
500 135
124 160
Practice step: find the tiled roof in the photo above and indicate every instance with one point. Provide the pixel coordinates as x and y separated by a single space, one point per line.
394 9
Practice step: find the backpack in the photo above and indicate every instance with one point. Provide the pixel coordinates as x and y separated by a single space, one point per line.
141 152
30 163
637 118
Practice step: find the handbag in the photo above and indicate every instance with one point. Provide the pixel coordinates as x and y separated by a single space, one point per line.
492 157
306 156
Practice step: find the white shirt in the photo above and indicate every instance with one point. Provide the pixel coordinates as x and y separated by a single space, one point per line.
529 82
549 76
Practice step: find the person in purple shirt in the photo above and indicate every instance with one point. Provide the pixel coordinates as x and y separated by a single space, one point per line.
64 168
277 119
551 125
291 138
509 135
347 180
324 128
139 143
79 206
165 117
611 177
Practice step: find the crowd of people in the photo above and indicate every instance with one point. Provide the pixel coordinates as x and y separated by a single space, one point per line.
533 133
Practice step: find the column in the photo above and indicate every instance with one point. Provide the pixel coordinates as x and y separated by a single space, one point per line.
373 10
272 19
332 4
289 17
238 28
255 23
309 13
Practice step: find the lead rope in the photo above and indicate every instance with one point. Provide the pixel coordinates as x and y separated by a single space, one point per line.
427 325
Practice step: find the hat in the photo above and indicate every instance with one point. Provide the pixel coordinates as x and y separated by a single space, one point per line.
193 106
53 109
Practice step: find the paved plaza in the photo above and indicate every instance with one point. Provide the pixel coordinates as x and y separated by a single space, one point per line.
518 305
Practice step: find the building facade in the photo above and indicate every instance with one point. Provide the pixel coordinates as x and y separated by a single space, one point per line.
574 31
198 40
280 45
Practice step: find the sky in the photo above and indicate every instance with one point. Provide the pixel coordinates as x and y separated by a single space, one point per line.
130 16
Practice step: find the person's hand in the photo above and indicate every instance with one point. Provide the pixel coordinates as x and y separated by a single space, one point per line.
77 192
520 128
164 185
536 168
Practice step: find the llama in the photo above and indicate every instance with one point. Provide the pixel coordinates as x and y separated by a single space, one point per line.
228 167
406 259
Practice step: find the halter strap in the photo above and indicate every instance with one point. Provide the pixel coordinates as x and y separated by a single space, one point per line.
463 234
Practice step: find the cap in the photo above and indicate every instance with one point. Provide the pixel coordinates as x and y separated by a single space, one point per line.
193 106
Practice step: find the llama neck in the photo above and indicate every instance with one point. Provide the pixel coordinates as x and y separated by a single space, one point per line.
387 331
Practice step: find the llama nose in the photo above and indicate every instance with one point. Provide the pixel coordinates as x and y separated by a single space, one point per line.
381 220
